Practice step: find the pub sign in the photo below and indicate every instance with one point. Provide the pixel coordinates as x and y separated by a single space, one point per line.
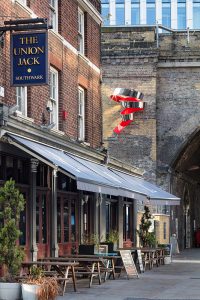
29 58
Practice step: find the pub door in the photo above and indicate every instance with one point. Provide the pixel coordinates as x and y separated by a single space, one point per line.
67 222
42 222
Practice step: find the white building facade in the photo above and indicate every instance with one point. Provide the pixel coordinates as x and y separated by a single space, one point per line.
175 14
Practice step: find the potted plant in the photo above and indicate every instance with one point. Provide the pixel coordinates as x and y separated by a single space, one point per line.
90 244
11 254
38 286
147 239
111 240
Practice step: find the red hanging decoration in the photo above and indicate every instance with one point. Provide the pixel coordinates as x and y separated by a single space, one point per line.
131 100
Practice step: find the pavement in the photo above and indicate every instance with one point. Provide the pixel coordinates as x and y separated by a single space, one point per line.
178 280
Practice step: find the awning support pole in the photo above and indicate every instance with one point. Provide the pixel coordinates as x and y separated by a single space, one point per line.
33 245
54 240
120 224
134 223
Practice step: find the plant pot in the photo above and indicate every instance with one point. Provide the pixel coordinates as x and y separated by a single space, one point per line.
30 291
110 246
10 291
87 249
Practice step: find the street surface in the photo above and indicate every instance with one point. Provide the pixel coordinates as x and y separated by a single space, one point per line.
178 280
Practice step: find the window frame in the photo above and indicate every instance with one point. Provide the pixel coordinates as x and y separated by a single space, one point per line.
53 97
21 93
53 14
81 31
81 114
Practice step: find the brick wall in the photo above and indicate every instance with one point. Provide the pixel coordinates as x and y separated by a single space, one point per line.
74 70
128 63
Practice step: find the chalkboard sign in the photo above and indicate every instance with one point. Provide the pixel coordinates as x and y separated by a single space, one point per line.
139 257
129 264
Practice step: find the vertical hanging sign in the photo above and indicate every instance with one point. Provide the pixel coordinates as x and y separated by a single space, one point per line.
29 58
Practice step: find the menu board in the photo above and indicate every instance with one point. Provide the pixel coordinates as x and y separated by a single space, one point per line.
129 264
139 257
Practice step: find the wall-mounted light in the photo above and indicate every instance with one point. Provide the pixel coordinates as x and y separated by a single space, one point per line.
99 200
84 199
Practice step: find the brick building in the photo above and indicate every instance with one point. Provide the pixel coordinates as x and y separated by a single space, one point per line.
51 142
164 139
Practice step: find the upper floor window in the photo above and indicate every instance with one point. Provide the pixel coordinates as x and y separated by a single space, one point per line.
166 13
80 31
53 14
181 14
151 12
135 12
21 99
120 12
54 97
196 14
23 2
105 11
81 114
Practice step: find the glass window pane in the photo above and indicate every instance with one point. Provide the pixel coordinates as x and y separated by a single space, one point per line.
181 14
44 220
166 14
105 11
37 219
58 220
120 13
151 12
73 222
196 14
66 220
22 225
135 12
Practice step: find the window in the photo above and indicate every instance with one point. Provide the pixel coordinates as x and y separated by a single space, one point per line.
80 31
21 99
105 10
53 14
166 13
23 2
81 114
135 12
120 12
151 12
54 97
111 217
181 14
196 14
66 219
127 219
41 219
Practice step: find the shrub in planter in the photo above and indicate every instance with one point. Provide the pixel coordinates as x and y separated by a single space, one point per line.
11 254
39 287
147 239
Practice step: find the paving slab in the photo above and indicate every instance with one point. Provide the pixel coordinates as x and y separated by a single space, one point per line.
175 281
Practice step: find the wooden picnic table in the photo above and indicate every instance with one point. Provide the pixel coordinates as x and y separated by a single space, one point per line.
103 263
86 266
62 268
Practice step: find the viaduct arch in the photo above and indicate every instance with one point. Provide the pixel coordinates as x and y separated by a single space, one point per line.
165 139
